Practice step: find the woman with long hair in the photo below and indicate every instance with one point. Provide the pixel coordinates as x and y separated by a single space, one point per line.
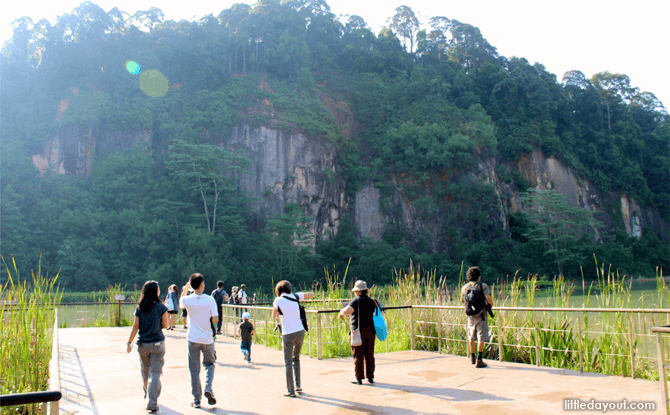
151 317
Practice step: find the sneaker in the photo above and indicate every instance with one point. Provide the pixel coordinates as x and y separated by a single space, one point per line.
246 355
371 381
152 408
299 390
357 382
480 363
290 394
195 404
210 398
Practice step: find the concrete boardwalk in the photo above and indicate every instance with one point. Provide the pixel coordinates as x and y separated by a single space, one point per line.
99 377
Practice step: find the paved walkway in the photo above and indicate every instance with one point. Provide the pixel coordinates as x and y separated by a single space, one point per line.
99 377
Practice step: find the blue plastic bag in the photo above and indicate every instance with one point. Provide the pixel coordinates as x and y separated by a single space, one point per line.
380 324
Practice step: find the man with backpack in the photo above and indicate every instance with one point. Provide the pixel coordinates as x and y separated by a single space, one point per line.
220 296
477 299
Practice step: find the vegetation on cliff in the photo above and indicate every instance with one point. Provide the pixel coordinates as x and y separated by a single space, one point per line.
430 102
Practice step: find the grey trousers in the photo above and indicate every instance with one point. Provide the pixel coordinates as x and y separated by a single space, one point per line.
208 360
152 358
292 347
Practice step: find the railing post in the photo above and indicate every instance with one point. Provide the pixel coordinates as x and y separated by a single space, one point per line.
631 348
309 333
411 327
661 371
319 338
439 332
266 329
537 345
225 319
500 336
579 341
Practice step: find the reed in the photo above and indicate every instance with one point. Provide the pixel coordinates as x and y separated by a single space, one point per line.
26 315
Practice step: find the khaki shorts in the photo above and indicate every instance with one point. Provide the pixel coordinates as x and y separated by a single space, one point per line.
478 328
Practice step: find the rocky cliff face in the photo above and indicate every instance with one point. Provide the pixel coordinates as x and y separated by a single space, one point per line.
71 150
293 168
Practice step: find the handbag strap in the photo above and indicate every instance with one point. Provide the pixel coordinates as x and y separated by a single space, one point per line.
295 300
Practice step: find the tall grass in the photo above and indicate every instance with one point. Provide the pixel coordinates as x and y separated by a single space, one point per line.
26 330
535 337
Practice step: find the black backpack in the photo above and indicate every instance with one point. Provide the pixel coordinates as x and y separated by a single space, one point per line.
475 300
303 315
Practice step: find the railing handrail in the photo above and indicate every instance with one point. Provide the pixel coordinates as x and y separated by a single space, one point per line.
582 310
458 307
28 398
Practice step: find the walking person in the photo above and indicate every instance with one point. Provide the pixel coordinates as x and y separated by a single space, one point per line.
477 299
150 318
293 332
242 296
246 333
172 304
232 300
219 295
361 310
201 308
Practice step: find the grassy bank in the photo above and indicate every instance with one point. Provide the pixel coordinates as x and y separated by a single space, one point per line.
26 329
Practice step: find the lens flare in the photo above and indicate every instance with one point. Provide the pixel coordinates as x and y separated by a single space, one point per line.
133 67
153 83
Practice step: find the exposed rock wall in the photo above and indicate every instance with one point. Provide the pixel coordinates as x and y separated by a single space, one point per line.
71 150
291 168
294 168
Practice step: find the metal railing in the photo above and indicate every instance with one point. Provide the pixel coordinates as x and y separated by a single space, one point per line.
662 366
514 331
51 396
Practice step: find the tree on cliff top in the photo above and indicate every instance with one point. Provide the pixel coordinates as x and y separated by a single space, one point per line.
208 171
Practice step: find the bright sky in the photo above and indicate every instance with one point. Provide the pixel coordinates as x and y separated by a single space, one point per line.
629 37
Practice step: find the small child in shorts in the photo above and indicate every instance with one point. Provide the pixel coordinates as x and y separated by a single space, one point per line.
246 332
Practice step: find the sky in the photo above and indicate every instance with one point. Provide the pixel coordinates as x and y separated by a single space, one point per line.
627 37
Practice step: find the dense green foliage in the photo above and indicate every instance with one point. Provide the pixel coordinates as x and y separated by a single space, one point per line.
430 104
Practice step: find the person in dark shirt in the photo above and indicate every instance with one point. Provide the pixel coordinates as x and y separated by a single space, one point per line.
246 332
220 296
361 310
151 317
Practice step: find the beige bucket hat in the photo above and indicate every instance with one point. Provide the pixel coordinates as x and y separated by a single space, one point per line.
360 286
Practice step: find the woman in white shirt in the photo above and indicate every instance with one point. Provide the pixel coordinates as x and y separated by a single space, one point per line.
293 332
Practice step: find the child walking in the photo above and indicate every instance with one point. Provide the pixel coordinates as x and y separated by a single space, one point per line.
246 331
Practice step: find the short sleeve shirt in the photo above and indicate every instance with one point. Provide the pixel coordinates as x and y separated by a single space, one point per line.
200 309
245 331
151 327
291 322
364 308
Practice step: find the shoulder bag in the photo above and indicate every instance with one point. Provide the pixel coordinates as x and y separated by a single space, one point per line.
380 323
303 315
356 334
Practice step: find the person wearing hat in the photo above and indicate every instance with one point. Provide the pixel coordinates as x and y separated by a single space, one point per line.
361 310
246 332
